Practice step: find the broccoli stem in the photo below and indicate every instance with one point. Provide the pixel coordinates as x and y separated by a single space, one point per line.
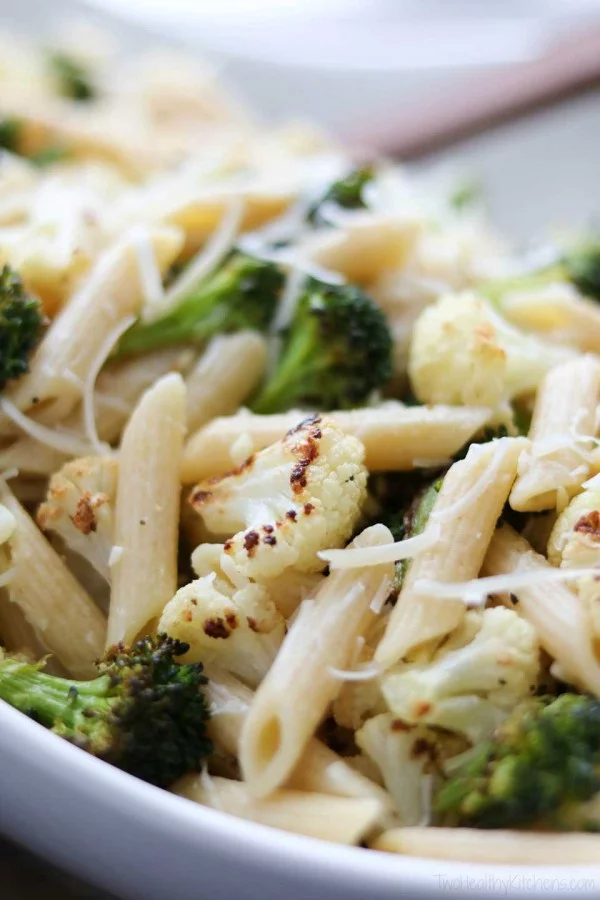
48 698
298 362
241 294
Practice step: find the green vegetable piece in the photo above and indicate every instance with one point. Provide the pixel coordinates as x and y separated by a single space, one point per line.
21 326
335 353
144 713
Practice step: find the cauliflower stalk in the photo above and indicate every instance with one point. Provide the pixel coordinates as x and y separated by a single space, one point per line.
79 508
403 755
574 542
463 352
469 689
238 628
281 506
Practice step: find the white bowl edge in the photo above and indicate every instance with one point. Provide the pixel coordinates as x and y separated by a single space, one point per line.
111 828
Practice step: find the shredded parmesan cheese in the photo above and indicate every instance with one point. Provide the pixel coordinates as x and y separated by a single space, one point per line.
89 416
63 441
203 263
475 592
359 557
366 673
150 277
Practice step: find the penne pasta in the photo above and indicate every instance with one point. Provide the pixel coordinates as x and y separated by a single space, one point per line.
464 516
226 374
344 820
319 770
112 293
557 311
557 614
147 510
471 845
553 469
296 692
68 622
395 437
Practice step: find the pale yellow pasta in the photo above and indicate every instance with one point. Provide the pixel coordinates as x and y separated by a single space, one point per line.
31 457
121 384
319 769
553 469
344 820
395 437
471 498
112 293
296 692
558 615
471 845
66 619
144 576
557 311
363 245
226 374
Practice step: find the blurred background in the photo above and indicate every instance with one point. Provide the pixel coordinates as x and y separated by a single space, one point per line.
418 79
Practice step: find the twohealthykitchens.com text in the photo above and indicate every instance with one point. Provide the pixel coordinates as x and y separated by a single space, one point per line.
516 884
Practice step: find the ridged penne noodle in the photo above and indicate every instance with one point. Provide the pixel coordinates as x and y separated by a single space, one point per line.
121 384
395 437
16 633
144 577
113 292
225 375
472 845
557 614
363 245
67 620
344 820
469 503
31 457
319 770
296 692
553 469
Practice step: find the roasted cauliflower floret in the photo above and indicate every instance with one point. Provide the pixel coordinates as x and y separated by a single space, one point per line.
279 508
238 628
463 352
470 689
79 508
575 543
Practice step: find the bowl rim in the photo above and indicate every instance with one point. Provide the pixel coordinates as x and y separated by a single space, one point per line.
248 840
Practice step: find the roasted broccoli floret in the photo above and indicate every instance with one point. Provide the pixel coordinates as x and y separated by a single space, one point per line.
21 326
335 353
347 193
72 78
144 713
541 765
241 294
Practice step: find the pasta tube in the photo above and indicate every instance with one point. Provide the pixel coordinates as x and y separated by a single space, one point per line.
395 437
144 577
226 374
344 820
66 619
112 293
556 465
297 690
467 508
319 770
557 614
473 845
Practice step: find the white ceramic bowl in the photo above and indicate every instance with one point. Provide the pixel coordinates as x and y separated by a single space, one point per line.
146 844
